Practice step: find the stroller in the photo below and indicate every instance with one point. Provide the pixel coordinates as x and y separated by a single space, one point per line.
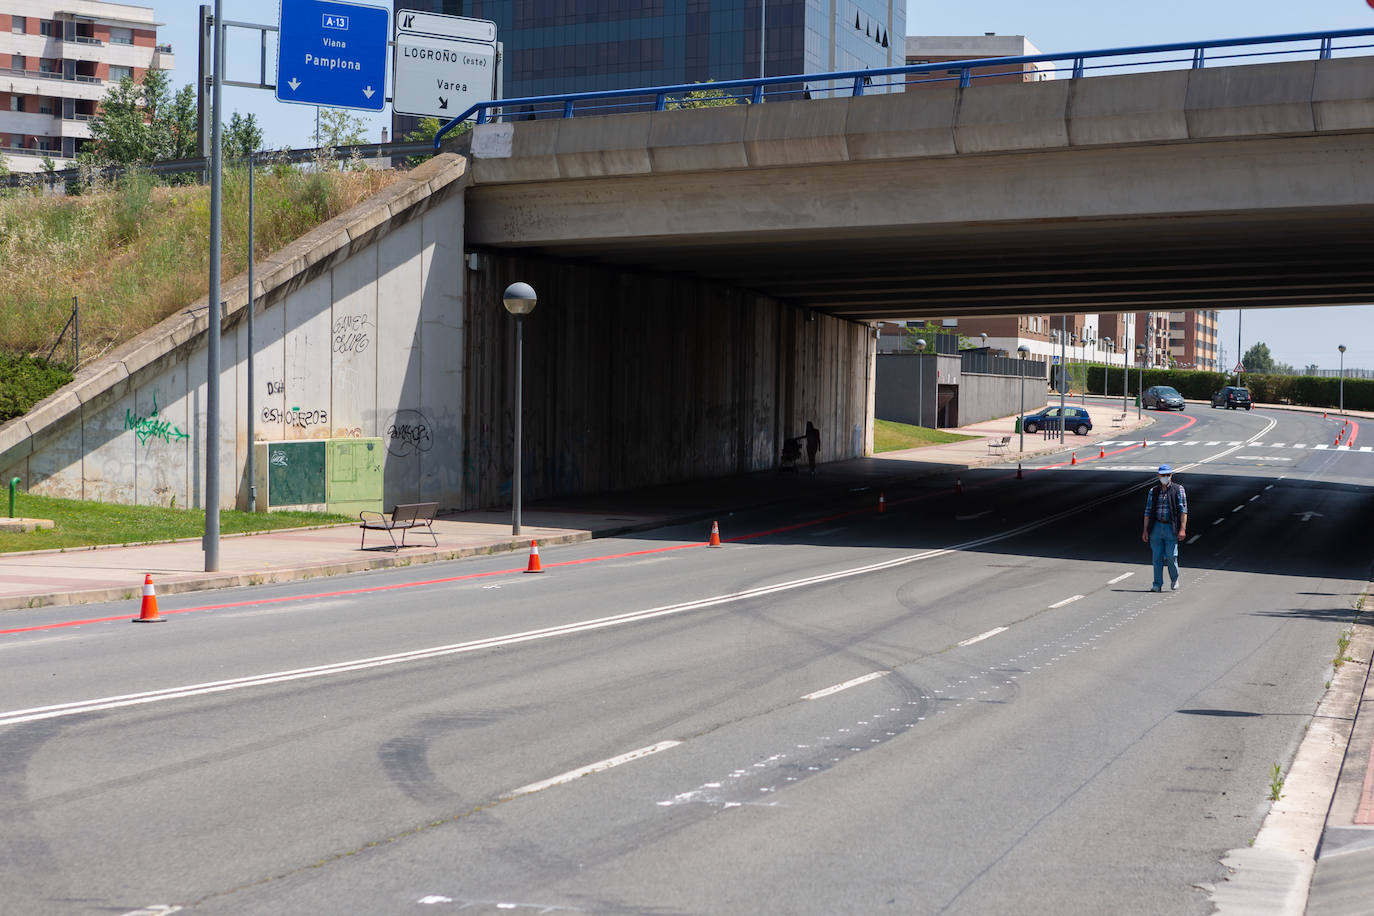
791 454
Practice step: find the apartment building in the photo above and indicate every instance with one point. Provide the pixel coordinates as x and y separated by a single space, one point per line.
1193 340
58 59
936 49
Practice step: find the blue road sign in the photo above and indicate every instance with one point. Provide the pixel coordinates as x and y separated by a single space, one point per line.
333 53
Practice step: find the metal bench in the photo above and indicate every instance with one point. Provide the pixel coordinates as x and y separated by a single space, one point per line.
998 446
1118 421
404 517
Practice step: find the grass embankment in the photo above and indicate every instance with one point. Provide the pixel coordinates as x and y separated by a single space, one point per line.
889 436
78 523
136 252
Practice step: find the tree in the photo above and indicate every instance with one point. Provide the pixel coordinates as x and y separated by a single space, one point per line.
426 130
143 122
703 98
1257 359
241 136
930 329
339 128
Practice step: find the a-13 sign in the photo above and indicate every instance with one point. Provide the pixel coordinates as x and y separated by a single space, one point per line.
332 53
443 64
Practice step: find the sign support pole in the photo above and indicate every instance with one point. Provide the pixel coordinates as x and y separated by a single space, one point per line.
214 319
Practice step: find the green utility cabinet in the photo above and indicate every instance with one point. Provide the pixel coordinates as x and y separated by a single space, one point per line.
320 475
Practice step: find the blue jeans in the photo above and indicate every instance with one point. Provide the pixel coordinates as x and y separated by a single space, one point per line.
1164 549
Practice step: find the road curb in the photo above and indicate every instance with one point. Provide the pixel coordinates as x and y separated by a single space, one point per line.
1274 875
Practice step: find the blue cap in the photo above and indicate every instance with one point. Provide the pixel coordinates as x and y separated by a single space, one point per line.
1165 469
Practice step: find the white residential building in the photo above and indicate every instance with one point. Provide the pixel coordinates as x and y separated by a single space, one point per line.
58 59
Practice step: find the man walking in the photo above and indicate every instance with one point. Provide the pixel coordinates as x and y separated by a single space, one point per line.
1166 523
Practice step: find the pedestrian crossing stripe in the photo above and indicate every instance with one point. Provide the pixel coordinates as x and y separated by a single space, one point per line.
1185 442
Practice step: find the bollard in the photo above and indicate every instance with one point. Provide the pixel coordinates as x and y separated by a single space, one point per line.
14 482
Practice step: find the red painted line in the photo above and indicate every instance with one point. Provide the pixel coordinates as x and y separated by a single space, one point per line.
1191 421
1354 432
449 579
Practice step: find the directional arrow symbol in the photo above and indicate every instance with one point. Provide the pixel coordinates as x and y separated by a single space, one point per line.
409 21
369 91
293 83
443 103
1308 516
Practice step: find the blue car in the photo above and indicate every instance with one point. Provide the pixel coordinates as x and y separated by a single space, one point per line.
1074 418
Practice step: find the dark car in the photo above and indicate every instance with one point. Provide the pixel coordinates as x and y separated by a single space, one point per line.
1162 397
1075 419
1232 397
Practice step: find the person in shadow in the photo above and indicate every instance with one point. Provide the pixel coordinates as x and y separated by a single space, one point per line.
813 445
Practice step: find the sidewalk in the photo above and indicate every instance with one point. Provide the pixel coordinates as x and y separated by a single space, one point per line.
84 575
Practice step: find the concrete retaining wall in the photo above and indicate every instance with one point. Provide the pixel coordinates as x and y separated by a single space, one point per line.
633 379
358 330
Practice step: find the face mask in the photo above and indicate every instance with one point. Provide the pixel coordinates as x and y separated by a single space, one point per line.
1164 481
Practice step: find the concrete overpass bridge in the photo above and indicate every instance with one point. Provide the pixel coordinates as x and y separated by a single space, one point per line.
1237 186
707 278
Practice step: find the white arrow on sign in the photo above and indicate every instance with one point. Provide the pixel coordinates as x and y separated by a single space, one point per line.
294 84
1308 516
369 92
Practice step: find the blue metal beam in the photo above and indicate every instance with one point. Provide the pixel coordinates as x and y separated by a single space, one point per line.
965 71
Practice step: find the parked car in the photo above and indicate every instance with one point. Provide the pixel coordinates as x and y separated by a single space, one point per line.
1162 397
1232 397
1074 418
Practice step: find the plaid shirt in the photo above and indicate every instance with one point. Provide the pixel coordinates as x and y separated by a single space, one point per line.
1173 509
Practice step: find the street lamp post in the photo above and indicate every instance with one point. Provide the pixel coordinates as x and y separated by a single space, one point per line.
1022 351
1342 349
1125 369
1106 343
1140 379
920 382
519 300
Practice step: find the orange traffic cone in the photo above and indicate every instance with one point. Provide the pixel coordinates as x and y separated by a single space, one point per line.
1144 444
1102 451
148 612
715 535
882 503
534 559
1073 458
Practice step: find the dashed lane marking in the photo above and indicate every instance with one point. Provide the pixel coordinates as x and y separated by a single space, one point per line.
852 682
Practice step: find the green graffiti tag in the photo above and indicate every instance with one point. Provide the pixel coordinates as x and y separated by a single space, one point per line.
149 427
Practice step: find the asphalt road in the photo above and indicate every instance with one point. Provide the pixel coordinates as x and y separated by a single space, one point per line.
969 703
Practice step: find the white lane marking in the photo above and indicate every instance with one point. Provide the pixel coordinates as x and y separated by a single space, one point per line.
434 898
155 909
1299 445
1119 578
1238 508
1066 601
1218 521
79 707
1253 498
852 682
589 769
1320 447
982 636
1194 538
1270 487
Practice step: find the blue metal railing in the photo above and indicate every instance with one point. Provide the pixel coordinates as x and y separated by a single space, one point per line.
1077 64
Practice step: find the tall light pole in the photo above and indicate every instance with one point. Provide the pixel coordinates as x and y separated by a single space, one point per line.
763 35
1106 365
1125 368
210 543
1240 316
1140 381
519 300
1063 370
1022 351
1342 349
920 382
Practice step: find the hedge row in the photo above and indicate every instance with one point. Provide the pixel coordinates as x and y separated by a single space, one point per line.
1300 390
26 380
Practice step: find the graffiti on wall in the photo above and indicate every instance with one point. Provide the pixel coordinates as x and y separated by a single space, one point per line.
408 432
148 428
296 417
351 334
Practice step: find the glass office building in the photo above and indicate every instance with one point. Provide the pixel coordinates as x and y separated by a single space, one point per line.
558 46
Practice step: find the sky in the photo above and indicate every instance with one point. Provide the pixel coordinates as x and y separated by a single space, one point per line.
1295 336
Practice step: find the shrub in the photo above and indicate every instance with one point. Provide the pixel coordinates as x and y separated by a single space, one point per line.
26 380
